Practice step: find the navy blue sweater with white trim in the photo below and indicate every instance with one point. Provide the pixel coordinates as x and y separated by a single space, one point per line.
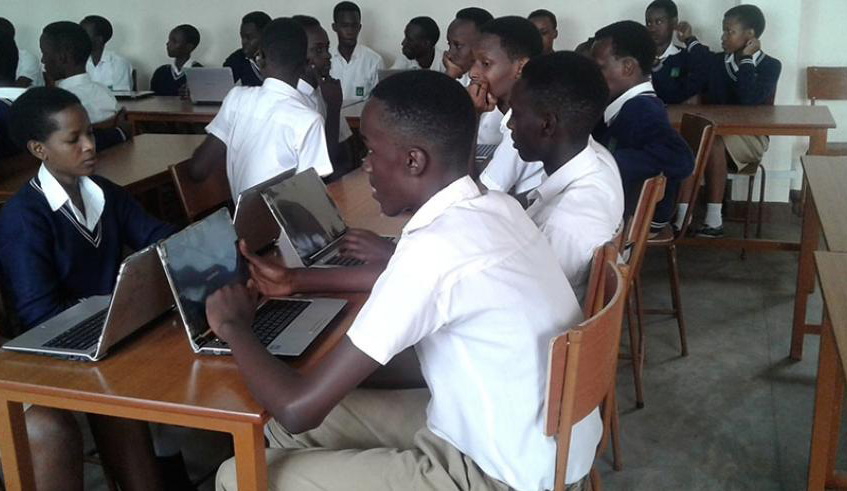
753 84
680 77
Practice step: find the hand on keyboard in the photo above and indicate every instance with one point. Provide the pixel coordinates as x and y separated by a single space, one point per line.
230 310
366 246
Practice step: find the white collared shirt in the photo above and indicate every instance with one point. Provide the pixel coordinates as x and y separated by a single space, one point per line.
732 67
579 207
474 286
97 100
507 170
179 72
29 67
403 63
489 131
671 50
316 98
615 106
93 199
113 71
268 130
359 75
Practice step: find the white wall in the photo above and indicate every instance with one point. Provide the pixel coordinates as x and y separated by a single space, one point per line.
799 32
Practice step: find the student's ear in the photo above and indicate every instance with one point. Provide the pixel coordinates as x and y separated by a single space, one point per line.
629 66
37 149
555 33
416 161
521 63
549 124
260 59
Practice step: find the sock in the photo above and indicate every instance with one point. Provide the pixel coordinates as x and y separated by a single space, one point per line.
681 210
713 215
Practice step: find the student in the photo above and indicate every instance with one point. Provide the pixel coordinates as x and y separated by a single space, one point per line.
170 79
635 126
681 68
473 287
555 105
419 46
353 63
545 22
8 67
105 66
260 132
462 34
62 238
28 72
744 75
243 61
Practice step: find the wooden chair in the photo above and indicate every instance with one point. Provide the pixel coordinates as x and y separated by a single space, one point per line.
200 198
828 84
582 364
699 133
750 172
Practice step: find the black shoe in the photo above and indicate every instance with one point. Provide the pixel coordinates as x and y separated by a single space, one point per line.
710 232
174 473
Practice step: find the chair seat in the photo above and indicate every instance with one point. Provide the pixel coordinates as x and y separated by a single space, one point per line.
836 149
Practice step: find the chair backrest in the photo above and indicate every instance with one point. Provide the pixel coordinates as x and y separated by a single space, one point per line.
652 191
603 254
826 83
200 198
581 368
699 133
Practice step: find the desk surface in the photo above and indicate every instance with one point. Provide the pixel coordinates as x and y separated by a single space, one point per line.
159 105
771 120
827 178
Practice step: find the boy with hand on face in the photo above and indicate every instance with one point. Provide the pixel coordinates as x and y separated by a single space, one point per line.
170 79
243 61
462 34
420 50
353 63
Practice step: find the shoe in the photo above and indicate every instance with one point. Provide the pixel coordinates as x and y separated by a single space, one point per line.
710 232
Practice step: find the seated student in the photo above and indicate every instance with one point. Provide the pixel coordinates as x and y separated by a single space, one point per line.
8 66
170 79
353 63
105 66
462 34
545 22
681 68
28 71
635 125
473 287
260 132
420 50
62 238
743 75
243 61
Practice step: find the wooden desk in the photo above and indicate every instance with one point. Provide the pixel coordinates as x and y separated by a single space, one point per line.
156 377
166 109
353 113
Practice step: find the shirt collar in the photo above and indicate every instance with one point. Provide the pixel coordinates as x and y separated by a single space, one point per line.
92 197
461 189
333 51
615 106
504 123
575 168
671 50
75 81
177 72
729 59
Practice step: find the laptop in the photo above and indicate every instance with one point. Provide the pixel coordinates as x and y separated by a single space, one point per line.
203 258
484 152
122 95
87 330
208 85
253 220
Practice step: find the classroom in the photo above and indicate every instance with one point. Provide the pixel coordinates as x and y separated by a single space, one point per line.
351 245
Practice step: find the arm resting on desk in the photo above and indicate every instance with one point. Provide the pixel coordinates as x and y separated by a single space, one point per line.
210 153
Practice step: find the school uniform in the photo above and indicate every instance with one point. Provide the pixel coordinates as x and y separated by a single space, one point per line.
359 75
30 67
113 71
52 255
403 63
636 130
97 100
579 208
474 286
268 130
316 99
489 131
681 72
244 70
168 79
507 171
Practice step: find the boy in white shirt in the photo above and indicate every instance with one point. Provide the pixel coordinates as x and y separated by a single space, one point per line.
419 46
105 66
28 72
353 63
473 287
260 132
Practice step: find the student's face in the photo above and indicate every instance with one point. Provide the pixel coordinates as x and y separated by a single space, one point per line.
525 124
250 35
734 36
461 36
547 31
385 160
69 151
415 43
660 26
177 46
492 65
615 70
318 51
51 59
347 27
89 29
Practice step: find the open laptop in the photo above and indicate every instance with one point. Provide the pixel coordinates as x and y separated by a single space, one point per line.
253 220
208 85
203 258
88 329
123 95
484 152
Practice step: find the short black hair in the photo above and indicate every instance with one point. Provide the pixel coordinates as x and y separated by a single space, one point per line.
31 115
8 57
544 13
667 5
102 26
518 36
189 33
306 21
429 107
284 43
629 38
429 27
65 36
257 18
476 15
570 84
7 26
750 16
345 7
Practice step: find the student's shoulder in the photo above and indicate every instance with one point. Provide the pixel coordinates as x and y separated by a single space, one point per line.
235 58
769 62
368 52
27 202
643 107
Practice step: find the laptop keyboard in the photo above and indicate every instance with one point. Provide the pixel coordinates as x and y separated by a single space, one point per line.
483 152
339 260
274 316
82 336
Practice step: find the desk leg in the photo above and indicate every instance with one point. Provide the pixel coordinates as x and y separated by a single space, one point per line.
250 465
14 447
817 143
825 421
805 273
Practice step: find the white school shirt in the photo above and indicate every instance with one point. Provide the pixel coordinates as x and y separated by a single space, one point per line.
316 99
579 207
614 107
474 286
97 100
403 63
489 132
268 130
93 198
358 76
507 170
113 71
29 67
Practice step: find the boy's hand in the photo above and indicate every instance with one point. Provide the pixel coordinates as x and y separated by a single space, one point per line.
366 246
751 47
331 90
230 309
483 101
183 92
451 69
684 30
268 275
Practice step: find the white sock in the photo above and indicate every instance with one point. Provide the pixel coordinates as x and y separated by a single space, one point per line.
713 215
681 210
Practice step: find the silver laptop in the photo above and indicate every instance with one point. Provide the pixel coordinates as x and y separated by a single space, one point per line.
208 85
123 95
88 329
203 258
253 220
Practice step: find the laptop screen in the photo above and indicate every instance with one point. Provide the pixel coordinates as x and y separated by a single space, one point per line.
308 214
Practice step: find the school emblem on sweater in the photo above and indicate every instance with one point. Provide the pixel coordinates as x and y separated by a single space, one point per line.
675 71
360 92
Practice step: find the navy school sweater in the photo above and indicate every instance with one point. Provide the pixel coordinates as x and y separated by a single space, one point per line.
242 69
753 84
680 77
163 81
